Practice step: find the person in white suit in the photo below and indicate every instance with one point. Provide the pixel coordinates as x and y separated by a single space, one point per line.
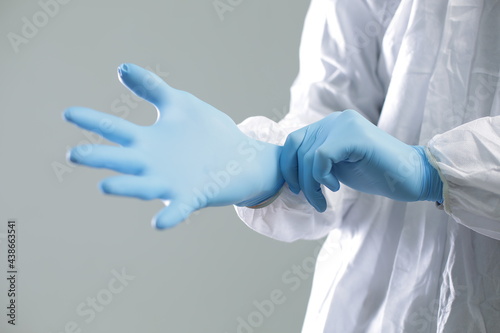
427 73
414 230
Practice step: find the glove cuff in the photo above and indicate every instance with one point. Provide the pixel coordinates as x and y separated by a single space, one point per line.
432 189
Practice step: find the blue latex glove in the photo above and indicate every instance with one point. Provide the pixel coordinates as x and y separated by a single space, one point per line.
348 148
194 156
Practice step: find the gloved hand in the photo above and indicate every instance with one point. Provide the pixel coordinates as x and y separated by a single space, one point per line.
346 147
194 156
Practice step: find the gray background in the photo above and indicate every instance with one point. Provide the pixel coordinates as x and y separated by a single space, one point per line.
198 277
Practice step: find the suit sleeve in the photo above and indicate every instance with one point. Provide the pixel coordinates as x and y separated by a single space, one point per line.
468 158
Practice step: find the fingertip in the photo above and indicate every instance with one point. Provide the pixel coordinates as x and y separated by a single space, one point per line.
333 188
105 187
321 206
331 182
74 114
293 189
320 202
71 156
318 209
126 69
123 69
160 224
173 214
82 154
127 73
66 115
69 113
316 199
154 224
157 222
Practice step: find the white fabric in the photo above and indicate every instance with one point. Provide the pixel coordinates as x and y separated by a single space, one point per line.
419 69
473 184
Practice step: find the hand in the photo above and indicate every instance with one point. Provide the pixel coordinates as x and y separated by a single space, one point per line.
194 156
345 147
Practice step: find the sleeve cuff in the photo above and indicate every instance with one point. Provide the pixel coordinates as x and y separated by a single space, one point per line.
445 204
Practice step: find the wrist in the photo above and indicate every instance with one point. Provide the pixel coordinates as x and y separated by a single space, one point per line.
432 189
269 181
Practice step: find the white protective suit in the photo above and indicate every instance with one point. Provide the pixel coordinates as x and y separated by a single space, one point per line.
427 72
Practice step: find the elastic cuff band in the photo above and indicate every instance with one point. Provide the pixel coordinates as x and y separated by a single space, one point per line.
440 205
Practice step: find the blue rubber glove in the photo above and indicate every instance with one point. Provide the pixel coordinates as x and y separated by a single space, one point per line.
345 147
194 156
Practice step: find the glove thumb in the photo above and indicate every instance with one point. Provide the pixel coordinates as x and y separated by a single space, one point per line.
145 84
173 214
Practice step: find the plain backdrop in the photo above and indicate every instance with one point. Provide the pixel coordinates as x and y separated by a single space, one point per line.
208 275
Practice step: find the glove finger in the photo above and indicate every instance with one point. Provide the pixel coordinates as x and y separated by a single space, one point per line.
323 170
133 186
289 159
310 187
101 156
110 127
173 214
146 84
